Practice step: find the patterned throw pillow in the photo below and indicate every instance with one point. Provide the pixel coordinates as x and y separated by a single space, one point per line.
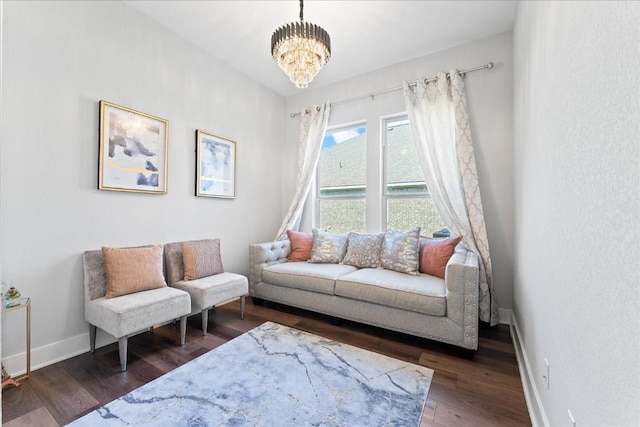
132 270
435 254
201 258
401 251
301 245
328 248
363 250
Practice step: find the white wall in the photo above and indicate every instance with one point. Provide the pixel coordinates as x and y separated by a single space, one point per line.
59 60
577 163
490 97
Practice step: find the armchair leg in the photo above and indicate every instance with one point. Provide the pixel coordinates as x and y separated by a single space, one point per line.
242 306
122 348
205 320
183 329
92 338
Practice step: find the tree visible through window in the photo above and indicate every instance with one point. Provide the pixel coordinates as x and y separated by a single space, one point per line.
408 202
342 180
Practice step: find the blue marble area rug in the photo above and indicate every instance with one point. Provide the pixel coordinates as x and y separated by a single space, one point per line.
276 376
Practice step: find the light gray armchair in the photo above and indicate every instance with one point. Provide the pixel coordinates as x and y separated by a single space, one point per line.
206 292
125 315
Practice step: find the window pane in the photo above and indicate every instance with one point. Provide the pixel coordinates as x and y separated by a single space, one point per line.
343 169
342 216
342 172
403 214
404 181
404 175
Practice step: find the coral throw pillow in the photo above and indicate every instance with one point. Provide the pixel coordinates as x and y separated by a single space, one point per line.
435 254
132 270
201 258
301 244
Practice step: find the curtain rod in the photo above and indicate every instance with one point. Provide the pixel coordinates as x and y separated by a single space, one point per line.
371 95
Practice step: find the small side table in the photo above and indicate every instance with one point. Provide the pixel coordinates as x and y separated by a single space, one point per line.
22 303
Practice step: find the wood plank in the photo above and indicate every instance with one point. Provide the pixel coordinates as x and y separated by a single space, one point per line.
63 395
18 401
38 418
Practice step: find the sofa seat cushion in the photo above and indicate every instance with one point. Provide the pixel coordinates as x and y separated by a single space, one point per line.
423 294
305 275
126 314
211 290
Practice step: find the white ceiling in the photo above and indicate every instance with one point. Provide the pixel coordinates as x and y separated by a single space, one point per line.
365 35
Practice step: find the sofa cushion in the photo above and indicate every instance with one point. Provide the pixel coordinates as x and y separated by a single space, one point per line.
400 251
301 245
308 276
212 290
132 270
126 314
328 247
363 250
423 294
201 258
435 254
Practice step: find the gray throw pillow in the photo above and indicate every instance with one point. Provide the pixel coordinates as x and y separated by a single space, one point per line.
328 248
400 251
363 250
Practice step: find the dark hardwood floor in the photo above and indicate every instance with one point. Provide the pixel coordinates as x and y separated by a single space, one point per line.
485 391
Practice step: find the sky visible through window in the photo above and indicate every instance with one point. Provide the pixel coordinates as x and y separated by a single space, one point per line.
333 138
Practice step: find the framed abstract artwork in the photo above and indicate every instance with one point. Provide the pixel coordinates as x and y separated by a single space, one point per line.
215 166
133 150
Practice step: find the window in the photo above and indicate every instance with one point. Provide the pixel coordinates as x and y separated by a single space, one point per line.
407 199
342 180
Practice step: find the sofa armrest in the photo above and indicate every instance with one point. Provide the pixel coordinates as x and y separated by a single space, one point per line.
262 255
462 270
462 281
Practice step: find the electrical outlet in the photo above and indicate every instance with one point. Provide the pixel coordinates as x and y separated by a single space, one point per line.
572 421
547 373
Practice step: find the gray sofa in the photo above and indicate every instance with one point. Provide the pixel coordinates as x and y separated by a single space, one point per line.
444 310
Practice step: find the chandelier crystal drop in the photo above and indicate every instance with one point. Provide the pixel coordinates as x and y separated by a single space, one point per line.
301 49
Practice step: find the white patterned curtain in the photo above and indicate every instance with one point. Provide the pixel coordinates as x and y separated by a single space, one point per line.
313 125
440 124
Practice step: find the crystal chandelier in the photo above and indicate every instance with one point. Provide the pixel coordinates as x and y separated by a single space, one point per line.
301 50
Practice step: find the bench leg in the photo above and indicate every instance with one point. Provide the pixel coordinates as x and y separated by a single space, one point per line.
183 329
242 306
92 338
122 348
205 320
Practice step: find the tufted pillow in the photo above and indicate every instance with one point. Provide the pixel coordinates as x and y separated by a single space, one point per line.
435 254
201 258
301 245
132 270
328 248
363 250
401 251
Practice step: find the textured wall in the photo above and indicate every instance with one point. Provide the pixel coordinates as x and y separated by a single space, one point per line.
59 60
577 162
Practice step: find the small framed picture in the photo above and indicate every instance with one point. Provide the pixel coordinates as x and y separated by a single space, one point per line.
133 150
215 166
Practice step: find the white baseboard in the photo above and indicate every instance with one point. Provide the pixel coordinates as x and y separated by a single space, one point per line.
534 403
51 353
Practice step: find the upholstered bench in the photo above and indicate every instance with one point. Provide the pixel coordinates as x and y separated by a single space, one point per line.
129 294
196 267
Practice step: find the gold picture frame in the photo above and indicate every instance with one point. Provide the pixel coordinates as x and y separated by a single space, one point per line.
215 166
133 150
